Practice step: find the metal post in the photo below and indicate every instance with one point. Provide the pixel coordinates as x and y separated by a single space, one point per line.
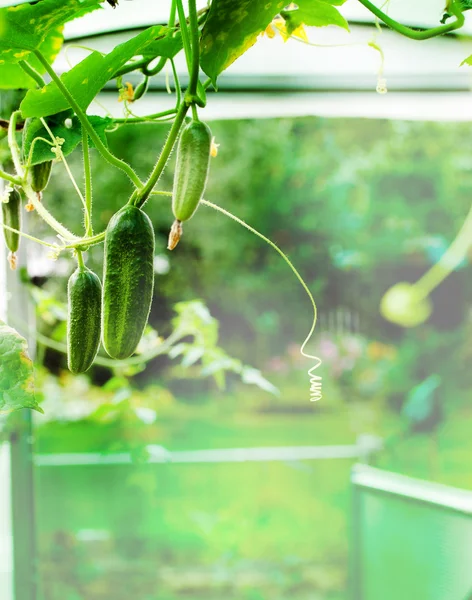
355 547
21 456
23 508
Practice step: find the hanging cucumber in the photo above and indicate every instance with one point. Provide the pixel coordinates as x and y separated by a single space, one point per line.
11 212
141 89
84 292
191 174
38 175
128 280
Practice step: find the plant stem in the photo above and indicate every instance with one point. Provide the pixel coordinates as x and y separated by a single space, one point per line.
412 33
10 178
107 155
30 237
142 63
185 36
289 263
88 184
178 88
195 39
85 242
31 72
46 215
62 158
449 260
80 260
147 118
163 60
143 195
157 69
14 148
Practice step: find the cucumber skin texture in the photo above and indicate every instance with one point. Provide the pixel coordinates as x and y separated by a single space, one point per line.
11 212
128 281
38 175
84 293
191 171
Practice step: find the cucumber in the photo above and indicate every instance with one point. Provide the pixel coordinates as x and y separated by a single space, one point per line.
84 292
128 280
141 89
38 175
191 171
11 212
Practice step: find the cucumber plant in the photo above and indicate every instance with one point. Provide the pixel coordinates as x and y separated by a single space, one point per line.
55 121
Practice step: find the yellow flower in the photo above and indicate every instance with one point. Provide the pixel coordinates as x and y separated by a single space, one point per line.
214 148
269 31
280 25
126 93
300 33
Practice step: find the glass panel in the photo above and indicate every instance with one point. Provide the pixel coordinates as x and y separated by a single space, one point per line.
360 204
410 550
6 565
409 65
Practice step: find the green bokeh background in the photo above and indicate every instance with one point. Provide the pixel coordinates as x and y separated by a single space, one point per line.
357 205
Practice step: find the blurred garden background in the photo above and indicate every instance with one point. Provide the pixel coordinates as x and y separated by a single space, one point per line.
357 205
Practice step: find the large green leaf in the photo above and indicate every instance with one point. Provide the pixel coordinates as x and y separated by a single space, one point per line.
465 5
16 372
167 46
86 79
12 75
64 125
316 13
231 29
23 28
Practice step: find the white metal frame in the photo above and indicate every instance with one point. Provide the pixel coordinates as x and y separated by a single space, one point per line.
6 544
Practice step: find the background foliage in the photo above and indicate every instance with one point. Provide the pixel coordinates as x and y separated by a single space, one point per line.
358 205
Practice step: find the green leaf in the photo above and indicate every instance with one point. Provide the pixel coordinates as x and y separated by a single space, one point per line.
16 372
66 126
467 61
231 29
168 46
87 78
24 28
465 5
12 75
254 377
315 13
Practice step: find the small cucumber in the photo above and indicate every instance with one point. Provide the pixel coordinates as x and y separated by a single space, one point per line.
38 175
191 171
141 89
84 292
11 212
128 280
